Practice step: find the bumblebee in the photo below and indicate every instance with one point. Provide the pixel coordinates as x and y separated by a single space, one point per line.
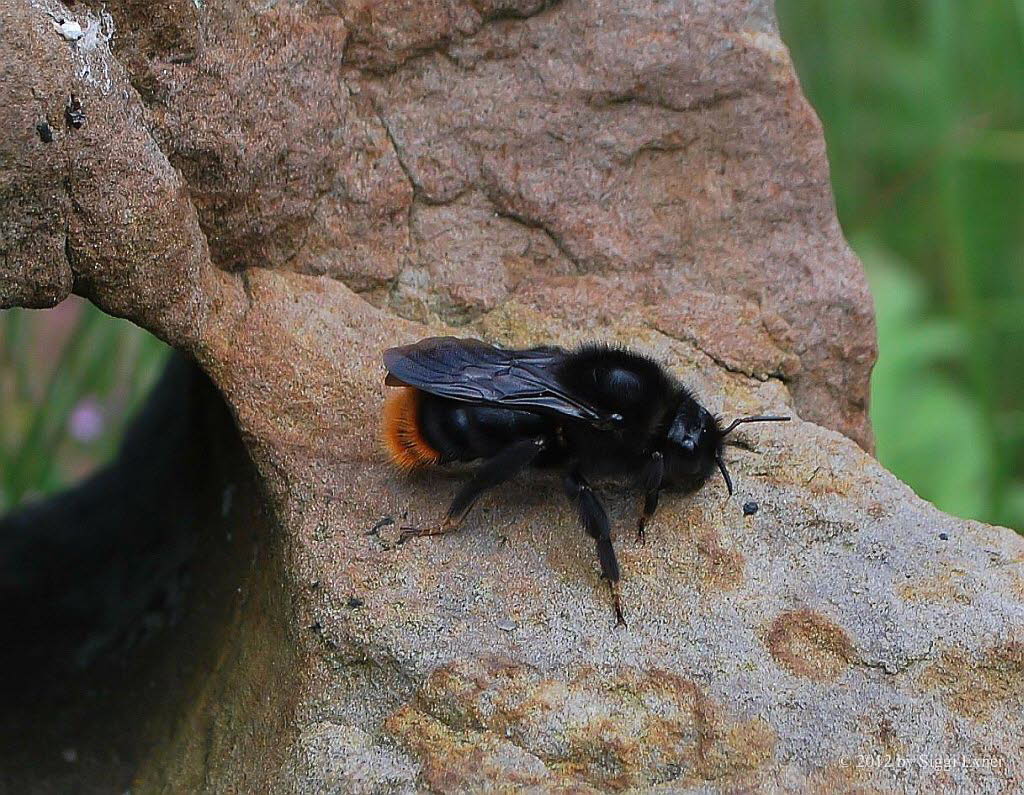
593 412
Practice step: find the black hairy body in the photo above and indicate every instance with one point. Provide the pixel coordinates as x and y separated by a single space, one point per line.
597 411
612 380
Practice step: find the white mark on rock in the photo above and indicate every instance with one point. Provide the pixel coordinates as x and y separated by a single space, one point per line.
90 45
69 29
99 32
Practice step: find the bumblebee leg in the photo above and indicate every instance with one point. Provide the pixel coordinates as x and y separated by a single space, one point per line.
653 474
420 532
595 521
620 621
650 506
493 472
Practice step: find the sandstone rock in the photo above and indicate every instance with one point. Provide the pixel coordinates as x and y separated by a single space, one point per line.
667 151
283 190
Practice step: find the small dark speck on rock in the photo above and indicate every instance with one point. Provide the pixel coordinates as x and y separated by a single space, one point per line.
45 133
750 508
353 602
74 114
385 522
944 536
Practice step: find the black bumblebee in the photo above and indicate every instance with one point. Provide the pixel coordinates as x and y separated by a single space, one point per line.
594 411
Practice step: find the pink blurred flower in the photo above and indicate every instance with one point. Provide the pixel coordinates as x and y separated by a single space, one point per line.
87 421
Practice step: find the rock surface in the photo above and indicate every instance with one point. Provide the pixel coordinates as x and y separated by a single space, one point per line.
442 160
282 190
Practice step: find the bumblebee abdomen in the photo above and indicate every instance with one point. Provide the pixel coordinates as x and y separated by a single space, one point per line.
464 432
421 429
402 434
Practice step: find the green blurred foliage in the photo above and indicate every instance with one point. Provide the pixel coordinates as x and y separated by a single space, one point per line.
913 393
923 109
70 378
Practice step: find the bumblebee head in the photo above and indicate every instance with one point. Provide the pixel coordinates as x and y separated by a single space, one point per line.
692 444
695 443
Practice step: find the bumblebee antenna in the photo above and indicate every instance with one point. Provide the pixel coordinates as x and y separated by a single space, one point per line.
725 472
756 418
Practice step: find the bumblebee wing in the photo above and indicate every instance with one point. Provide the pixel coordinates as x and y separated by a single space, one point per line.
474 372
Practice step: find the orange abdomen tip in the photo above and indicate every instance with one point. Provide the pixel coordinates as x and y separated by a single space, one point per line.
401 431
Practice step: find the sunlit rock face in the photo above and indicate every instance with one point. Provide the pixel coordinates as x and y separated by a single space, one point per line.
282 190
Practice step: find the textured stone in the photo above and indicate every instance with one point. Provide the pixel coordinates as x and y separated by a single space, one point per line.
284 189
667 156
99 208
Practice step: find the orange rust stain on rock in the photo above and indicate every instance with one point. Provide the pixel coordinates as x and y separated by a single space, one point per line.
700 557
719 568
808 644
887 738
474 721
847 777
1016 585
977 686
877 511
468 760
947 587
